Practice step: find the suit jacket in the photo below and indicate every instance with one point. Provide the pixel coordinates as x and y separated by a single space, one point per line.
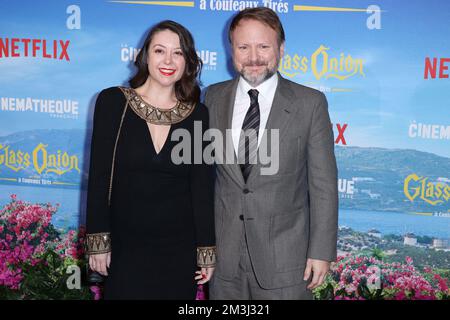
289 216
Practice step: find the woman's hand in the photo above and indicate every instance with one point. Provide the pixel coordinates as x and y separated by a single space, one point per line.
204 275
100 262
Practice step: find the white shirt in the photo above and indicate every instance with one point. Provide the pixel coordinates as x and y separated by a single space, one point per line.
242 104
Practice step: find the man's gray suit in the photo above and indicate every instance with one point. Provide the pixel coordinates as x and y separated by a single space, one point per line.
286 217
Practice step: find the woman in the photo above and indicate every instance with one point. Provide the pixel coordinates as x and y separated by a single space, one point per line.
150 222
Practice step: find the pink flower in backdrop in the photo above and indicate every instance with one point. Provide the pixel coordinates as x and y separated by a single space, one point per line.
25 235
350 275
442 283
72 244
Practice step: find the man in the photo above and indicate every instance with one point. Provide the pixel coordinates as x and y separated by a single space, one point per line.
275 233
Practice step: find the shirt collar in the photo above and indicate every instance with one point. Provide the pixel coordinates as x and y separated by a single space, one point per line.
265 89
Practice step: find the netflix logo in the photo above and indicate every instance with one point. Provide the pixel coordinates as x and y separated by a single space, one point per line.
40 48
339 132
436 68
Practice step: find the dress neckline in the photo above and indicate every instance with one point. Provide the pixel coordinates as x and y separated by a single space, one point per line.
155 115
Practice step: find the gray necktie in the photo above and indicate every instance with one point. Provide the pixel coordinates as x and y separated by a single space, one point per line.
248 141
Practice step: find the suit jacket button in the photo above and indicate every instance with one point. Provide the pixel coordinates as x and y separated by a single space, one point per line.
241 217
246 191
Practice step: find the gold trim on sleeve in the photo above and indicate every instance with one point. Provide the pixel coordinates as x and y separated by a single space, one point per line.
206 257
97 243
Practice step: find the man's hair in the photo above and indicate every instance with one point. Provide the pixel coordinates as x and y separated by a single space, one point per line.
262 14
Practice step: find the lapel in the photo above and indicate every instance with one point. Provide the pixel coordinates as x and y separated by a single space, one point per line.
280 117
224 119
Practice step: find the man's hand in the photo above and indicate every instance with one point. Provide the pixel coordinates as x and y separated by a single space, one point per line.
319 270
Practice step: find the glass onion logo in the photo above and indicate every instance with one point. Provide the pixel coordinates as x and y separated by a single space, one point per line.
322 64
434 193
39 159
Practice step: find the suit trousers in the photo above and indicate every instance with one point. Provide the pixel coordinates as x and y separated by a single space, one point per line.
245 286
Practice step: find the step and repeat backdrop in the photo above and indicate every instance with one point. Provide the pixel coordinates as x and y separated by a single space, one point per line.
384 66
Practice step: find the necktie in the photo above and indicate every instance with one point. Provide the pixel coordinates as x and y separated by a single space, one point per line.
248 141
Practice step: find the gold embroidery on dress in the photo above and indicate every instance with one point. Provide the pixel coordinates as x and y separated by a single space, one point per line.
156 115
98 243
206 257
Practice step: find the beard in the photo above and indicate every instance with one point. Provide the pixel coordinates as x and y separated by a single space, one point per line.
255 79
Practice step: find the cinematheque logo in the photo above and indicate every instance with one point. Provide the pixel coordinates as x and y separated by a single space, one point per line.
36 48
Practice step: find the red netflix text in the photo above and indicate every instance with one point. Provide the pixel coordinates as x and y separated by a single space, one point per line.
432 66
41 48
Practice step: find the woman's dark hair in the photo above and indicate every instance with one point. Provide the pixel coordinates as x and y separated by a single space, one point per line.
187 89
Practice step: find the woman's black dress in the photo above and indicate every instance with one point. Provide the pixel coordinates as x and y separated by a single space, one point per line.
160 212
